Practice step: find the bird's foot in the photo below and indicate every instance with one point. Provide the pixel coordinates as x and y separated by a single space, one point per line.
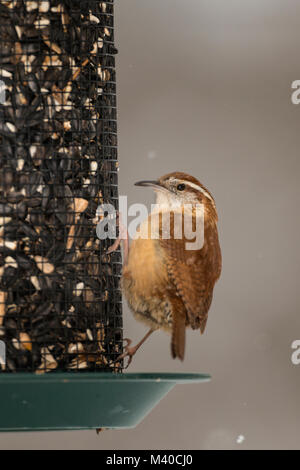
129 352
114 246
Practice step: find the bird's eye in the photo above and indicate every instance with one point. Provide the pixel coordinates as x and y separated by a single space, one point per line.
181 187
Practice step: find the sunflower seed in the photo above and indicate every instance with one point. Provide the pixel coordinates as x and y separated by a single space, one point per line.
44 265
9 261
2 306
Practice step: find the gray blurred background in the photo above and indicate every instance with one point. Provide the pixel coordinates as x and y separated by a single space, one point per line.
204 86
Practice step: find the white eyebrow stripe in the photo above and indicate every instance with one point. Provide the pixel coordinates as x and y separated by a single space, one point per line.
199 188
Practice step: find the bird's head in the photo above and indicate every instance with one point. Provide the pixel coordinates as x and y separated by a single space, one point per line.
176 189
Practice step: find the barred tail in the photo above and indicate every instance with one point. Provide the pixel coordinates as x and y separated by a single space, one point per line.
178 336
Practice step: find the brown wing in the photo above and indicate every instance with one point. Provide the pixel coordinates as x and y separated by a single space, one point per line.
193 274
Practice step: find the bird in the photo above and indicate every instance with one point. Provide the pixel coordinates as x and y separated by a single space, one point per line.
167 282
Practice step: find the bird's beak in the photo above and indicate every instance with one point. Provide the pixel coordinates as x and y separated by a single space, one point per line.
151 184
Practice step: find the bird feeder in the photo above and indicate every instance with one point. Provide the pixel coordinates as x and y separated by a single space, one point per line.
60 302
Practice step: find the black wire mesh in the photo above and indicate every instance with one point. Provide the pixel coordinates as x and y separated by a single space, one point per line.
60 303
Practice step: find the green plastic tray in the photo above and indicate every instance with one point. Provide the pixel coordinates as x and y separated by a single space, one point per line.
65 401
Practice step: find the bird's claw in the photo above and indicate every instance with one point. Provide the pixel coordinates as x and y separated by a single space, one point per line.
112 248
129 352
128 341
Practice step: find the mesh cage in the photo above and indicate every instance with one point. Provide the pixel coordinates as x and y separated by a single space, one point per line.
60 303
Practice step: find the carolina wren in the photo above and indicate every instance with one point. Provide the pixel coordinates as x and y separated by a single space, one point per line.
168 286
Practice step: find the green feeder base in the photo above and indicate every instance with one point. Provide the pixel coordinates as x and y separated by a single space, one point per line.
65 401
